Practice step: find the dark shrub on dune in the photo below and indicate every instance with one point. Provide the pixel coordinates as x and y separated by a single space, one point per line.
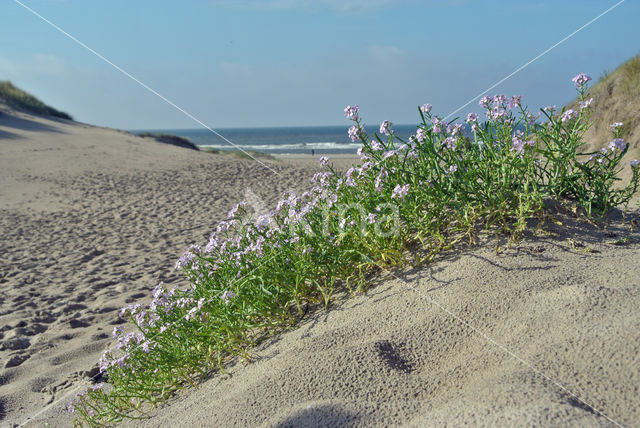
174 140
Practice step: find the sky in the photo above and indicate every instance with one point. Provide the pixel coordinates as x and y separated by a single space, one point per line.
263 63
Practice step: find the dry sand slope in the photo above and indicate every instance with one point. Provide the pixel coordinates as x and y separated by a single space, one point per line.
92 219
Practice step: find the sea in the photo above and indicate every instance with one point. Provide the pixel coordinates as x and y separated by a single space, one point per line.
317 140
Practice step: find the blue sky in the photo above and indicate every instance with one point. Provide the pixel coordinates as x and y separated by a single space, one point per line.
247 63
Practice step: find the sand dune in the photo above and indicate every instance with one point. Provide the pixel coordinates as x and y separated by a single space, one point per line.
93 218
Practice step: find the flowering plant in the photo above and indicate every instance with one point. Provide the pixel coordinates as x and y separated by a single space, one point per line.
253 278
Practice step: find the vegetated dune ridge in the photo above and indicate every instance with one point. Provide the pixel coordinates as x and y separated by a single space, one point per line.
616 99
92 219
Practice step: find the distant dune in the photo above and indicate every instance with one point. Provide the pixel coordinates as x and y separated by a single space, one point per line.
16 98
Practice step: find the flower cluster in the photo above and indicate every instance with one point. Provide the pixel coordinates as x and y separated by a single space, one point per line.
498 106
385 128
351 112
580 80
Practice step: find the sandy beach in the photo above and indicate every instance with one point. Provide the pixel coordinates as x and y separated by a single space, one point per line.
545 332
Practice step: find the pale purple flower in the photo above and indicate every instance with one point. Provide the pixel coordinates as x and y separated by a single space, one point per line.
485 101
499 100
426 108
389 154
263 221
496 113
518 144
354 133
634 163
97 387
580 80
452 169
147 346
117 331
191 314
71 408
351 112
450 142
342 223
378 183
129 310
385 128
379 180
323 160
472 118
515 101
400 191
227 296
586 104
568 115
617 144
223 226
438 124
550 109
233 211
104 361
371 218
376 146
421 135
454 130
615 125
121 362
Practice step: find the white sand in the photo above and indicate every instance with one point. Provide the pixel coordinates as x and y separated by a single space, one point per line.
93 218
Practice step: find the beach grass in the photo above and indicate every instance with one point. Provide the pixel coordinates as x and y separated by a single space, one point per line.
403 204
19 99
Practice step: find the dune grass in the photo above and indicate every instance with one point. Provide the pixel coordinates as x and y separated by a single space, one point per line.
19 99
405 202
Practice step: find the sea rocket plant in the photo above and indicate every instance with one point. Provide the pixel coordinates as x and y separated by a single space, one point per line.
256 277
